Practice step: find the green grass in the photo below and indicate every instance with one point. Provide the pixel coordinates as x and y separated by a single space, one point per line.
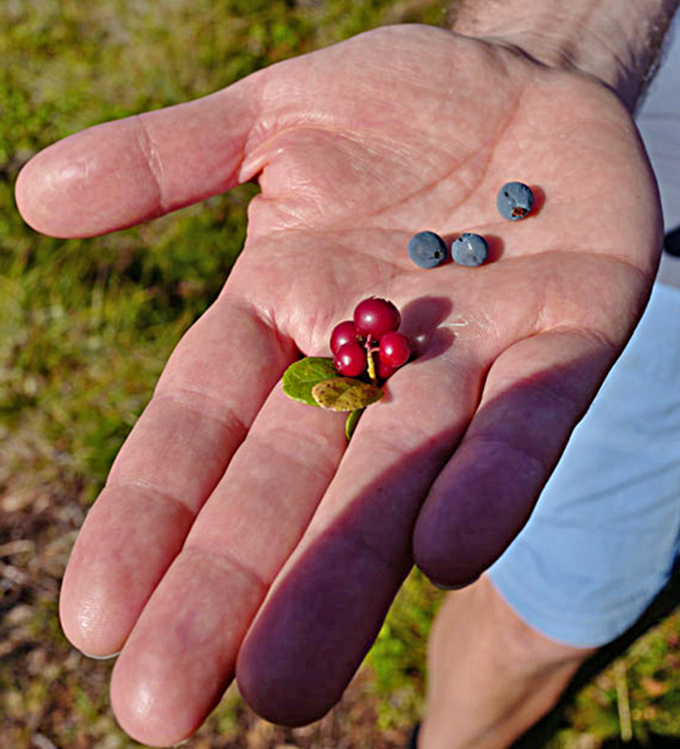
71 311
86 326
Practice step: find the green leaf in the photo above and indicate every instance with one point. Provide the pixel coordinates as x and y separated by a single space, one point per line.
352 421
345 394
301 377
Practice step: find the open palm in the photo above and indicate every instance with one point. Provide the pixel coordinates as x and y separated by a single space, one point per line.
238 533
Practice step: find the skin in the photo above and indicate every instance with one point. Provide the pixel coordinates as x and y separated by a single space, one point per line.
237 534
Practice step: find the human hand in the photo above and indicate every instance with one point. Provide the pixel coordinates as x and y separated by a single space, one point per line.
237 532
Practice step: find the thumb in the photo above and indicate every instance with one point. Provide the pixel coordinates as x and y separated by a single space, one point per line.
118 174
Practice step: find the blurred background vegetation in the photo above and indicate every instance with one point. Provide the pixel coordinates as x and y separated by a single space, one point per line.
85 327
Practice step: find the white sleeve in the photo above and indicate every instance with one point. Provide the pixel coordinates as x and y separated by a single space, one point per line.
658 119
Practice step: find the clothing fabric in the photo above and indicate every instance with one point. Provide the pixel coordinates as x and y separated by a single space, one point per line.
603 538
605 534
659 122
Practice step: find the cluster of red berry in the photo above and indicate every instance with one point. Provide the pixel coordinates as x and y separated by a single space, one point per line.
373 330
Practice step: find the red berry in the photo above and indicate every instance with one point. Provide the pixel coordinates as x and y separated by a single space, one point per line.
350 359
375 317
384 370
394 349
344 332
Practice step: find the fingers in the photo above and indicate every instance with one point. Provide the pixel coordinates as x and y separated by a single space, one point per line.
193 625
114 175
534 395
209 393
329 601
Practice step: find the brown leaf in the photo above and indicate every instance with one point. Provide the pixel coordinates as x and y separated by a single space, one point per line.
345 394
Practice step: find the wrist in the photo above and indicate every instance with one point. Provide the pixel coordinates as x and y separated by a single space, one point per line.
616 41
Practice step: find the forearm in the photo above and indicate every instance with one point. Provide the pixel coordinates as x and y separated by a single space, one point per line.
618 41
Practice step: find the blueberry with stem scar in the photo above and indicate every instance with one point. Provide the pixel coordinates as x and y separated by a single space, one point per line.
427 249
470 249
515 201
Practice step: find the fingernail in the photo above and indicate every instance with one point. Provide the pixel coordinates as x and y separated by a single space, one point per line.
100 657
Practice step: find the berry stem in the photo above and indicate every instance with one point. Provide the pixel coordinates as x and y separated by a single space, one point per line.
370 361
371 368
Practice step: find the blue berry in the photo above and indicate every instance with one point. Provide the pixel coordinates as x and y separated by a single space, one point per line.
427 249
470 249
515 201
